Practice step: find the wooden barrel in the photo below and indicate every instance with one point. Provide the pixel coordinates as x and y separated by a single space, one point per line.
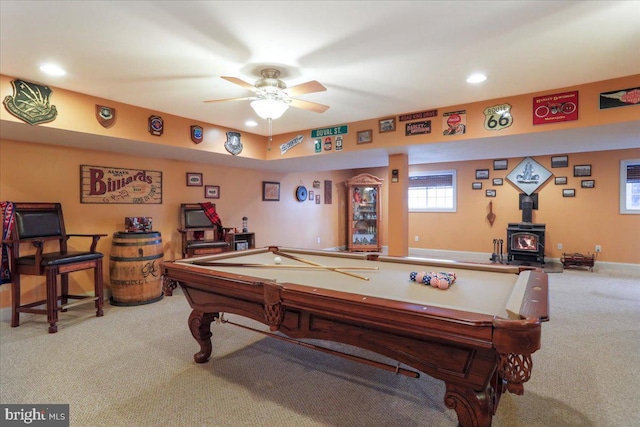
135 268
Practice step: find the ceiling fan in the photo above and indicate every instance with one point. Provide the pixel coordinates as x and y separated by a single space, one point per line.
272 97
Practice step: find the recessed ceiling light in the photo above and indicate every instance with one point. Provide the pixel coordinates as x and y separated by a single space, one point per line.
250 123
52 70
476 78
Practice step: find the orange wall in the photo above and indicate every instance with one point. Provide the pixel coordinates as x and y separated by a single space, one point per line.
590 218
42 172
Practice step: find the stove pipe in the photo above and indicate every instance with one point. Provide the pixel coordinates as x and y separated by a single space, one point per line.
527 209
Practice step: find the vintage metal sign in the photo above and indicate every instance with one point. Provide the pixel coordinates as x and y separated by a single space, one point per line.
106 115
30 102
559 107
417 128
197 134
417 116
290 144
454 122
332 131
620 98
108 185
233 144
498 117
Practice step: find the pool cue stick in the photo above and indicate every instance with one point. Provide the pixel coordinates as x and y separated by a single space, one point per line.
240 264
337 270
374 363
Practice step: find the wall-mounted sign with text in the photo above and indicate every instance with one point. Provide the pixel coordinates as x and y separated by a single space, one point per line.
107 185
559 107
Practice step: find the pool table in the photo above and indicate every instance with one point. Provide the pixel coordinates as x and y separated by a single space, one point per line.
477 336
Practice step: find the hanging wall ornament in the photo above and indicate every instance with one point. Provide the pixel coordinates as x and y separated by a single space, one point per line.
31 103
233 144
106 116
156 125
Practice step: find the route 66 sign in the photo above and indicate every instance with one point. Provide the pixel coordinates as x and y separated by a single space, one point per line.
498 117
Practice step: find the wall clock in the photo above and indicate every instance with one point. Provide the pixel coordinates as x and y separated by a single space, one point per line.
301 193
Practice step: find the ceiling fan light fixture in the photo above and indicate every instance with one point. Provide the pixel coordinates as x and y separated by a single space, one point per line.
268 108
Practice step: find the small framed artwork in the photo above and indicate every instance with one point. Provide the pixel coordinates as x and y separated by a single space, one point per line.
569 192
311 196
497 181
559 161
211 191
582 170
587 183
476 185
482 173
491 193
194 179
317 199
561 180
499 165
387 125
270 191
365 136
242 245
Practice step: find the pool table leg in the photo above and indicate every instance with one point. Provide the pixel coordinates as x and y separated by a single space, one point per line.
200 326
474 409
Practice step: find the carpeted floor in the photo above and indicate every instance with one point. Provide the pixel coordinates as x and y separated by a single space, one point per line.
134 367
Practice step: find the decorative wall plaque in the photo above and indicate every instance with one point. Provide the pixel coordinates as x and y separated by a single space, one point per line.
31 103
529 175
498 117
233 144
156 125
106 115
197 134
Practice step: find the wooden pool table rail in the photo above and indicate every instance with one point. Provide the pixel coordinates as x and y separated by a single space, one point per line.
478 356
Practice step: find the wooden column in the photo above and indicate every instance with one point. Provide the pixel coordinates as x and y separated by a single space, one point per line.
398 205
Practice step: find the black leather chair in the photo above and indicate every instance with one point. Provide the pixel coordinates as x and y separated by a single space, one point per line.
40 228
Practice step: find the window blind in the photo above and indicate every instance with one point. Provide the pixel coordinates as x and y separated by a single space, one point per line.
443 180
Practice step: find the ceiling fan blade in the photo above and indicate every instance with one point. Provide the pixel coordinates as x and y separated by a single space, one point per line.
303 88
228 99
310 106
239 82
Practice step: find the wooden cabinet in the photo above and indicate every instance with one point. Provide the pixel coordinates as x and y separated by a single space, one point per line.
363 217
241 241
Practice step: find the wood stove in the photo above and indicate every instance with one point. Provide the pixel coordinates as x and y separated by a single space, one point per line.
525 240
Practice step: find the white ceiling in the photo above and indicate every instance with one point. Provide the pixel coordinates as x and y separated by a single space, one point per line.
376 58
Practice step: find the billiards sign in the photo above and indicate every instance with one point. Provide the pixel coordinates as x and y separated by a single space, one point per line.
498 117
31 103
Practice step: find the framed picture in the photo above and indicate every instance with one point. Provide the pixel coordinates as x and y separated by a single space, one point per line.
242 245
270 191
317 199
559 161
497 181
561 180
482 173
387 125
365 136
587 183
491 193
476 185
194 179
582 170
569 192
311 197
499 165
211 191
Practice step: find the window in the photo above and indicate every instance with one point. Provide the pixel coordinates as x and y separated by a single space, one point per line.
630 186
432 191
